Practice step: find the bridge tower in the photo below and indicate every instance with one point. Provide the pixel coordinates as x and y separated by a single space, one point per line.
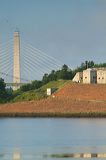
16 63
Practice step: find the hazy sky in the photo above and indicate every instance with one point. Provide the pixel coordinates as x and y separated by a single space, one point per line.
69 30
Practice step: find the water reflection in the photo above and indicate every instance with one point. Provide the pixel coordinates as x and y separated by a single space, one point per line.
54 153
35 138
17 155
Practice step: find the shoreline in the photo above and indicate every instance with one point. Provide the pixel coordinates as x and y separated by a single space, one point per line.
53 115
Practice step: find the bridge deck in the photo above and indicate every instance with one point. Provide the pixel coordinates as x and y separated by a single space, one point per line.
15 84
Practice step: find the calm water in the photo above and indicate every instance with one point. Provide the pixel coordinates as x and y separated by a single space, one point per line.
35 137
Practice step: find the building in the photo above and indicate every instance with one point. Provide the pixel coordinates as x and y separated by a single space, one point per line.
90 76
78 77
101 76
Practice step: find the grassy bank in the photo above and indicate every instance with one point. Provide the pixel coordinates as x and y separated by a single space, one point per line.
38 93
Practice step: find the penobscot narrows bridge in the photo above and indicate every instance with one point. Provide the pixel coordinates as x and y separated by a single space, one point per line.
21 63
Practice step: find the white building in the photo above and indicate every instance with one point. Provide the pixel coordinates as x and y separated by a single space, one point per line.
78 77
101 76
90 76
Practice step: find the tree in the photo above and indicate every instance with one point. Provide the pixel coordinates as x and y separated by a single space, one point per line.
52 76
65 73
84 65
65 68
91 64
100 65
25 87
45 78
3 92
36 84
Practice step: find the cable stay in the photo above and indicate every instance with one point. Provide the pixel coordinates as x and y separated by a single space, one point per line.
34 63
6 43
42 53
39 63
41 59
35 53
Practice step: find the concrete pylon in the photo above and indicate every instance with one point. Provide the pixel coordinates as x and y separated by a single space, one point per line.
16 63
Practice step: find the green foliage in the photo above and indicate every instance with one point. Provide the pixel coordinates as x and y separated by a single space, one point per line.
9 94
30 95
31 86
100 65
64 73
45 78
25 87
84 65
54 84
3 92
88 64
38 93
36 84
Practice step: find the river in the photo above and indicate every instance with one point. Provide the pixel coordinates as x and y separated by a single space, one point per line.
36 137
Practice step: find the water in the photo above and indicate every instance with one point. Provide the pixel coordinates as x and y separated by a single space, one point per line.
36 137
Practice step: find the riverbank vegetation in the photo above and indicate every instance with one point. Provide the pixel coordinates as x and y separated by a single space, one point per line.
5 94
39 93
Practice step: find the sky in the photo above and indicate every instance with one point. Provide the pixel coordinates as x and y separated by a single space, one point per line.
71 31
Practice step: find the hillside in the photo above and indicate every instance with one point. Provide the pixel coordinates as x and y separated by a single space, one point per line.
39 93
70 100
83 91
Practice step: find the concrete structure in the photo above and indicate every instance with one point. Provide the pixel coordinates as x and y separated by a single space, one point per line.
49 91
78 77
90 76
101 76
16 68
